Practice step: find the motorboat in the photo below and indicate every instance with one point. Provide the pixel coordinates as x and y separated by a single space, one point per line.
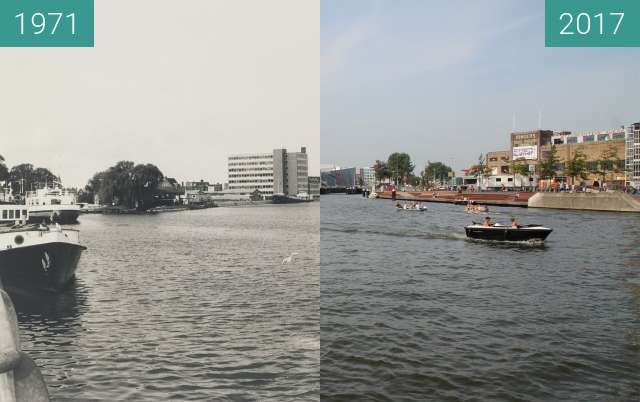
498 232
37 256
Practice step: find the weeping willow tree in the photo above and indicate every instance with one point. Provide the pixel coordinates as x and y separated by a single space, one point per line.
126 184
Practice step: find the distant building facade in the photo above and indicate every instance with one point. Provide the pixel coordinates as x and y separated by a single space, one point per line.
498 162
215 188
592 145
314 186
338 178
632 155
534 146
278 172
197 185
366 177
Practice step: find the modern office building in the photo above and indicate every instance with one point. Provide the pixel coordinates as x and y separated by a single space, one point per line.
632 155
250 172
338 178
278 172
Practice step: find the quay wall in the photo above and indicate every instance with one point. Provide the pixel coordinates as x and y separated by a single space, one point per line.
606 201
506 199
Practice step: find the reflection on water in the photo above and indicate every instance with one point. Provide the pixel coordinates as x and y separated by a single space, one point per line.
411 310
194 305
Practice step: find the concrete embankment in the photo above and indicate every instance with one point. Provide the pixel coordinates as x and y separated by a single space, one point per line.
606 201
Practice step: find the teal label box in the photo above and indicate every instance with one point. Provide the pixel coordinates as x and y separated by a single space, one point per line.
592 23
46 23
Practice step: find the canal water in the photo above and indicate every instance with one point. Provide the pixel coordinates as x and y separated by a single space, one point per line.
192 305
413 311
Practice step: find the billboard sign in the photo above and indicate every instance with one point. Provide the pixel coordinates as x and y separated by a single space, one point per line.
527 152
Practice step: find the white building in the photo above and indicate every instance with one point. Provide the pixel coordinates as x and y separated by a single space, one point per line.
250 172
502 182
632 153
279 172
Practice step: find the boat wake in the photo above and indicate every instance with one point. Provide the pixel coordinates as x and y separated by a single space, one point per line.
404 234
533 243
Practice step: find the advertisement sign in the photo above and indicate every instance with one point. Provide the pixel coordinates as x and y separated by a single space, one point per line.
528 152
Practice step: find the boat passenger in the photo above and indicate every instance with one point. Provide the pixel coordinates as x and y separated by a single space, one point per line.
487 221
514 224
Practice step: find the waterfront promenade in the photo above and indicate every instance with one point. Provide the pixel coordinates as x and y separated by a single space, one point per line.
505 199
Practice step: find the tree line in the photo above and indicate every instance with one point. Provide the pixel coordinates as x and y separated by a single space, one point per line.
25 176
399 168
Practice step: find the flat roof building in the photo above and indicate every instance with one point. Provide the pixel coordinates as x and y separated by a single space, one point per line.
278 172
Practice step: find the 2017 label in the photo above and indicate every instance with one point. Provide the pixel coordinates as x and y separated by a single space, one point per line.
592 23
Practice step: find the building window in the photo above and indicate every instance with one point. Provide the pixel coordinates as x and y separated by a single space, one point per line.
588 138
592 166
572 140
493 159
618 136
558 141
498 180
603 137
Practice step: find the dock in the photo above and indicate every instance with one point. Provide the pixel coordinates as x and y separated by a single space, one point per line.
497 199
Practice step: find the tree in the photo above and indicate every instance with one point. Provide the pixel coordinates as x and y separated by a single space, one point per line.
609 162
126 184
577 166
435 171
549 163
399 165
414 180
4 171
519 167
381 170
480 170
25 177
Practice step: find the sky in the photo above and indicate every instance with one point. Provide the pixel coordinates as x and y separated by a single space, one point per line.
178 84
443 81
